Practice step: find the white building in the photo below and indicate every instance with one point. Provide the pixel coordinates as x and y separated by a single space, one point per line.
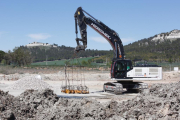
37 44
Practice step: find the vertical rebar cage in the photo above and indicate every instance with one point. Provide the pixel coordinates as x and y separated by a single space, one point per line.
74 82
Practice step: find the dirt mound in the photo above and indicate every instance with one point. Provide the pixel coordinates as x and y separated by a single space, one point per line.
6 101
160 102
168 91
45 104
28 104
171 75
31 82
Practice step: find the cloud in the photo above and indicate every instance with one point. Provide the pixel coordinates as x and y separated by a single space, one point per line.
99 39
40 36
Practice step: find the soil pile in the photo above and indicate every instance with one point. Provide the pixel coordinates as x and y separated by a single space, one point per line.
30 82
6 102
161 101
171 75
27 105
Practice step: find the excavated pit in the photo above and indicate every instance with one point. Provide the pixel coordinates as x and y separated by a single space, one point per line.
160 101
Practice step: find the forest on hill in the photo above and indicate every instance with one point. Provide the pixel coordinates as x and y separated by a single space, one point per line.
62 52
156 48
144 49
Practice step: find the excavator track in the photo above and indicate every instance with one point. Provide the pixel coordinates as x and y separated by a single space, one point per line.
114 87
117 87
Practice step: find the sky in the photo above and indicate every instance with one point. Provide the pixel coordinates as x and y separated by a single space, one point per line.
52 21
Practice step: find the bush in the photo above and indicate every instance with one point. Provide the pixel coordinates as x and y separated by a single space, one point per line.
84 63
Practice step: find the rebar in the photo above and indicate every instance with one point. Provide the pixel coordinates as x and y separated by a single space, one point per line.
74 89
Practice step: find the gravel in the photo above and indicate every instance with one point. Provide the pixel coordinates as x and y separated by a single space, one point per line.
30 82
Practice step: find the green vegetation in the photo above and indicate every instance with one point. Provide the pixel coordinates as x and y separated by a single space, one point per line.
41 54
22 57
145 49
19 57
154 50
79 61
2 53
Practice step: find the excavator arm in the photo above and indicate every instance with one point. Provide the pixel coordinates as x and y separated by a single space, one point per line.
110 35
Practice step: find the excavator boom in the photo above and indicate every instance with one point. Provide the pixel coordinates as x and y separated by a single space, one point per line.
110 35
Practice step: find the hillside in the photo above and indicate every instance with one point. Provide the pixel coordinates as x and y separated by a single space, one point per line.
41 53
162 46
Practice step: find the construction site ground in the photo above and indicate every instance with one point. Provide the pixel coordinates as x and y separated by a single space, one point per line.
41 99
94 81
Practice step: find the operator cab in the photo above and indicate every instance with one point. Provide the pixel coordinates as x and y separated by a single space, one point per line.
119 68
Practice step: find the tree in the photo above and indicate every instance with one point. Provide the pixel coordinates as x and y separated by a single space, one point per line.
22 57
9 57
2 54
3 61
170 60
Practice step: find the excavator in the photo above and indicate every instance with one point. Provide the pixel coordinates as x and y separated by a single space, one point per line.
122 71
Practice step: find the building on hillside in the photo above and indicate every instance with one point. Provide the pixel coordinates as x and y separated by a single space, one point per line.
38 44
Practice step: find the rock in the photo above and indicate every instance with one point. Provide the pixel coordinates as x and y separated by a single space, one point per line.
8 115
160 102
